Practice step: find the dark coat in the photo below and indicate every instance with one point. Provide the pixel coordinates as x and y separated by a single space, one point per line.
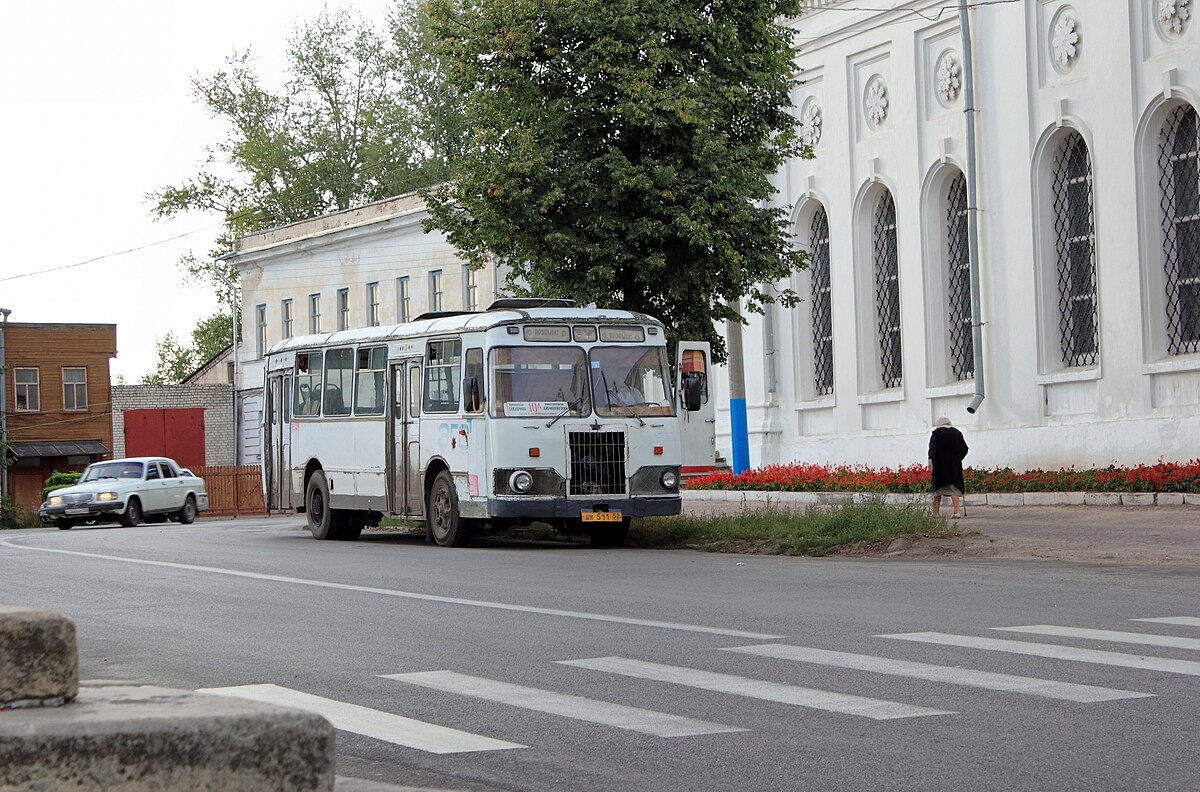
946 451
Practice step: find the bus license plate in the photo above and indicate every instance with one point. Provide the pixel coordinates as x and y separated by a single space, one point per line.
601 516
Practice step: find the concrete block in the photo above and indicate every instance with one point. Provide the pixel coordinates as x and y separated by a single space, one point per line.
1191 498
1137 499
1102 499
1169 499
1046 498
38 660
138 738
1006 499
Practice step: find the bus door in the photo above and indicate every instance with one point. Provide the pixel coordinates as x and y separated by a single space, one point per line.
277 445
405 493
693 370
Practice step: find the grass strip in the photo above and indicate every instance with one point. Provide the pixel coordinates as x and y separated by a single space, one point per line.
816 531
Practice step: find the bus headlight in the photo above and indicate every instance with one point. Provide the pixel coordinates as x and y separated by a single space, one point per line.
668 479
520 482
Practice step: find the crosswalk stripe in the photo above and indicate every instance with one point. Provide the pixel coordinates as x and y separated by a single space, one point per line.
829 701
1185 621
369 722
950 675
658 724
1188 667
1106 635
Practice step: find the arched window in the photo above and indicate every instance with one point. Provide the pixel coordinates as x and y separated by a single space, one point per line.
958 281
1075 241
887 291
1179 180
822 306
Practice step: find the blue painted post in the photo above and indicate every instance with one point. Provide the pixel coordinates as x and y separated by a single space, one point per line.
740 434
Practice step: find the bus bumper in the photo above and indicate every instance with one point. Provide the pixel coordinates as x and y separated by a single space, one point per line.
563 508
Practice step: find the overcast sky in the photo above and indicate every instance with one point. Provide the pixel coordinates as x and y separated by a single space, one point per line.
98 111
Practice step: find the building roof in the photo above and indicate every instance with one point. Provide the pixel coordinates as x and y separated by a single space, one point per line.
58 448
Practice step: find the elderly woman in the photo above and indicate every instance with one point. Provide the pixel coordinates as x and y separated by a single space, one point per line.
946 451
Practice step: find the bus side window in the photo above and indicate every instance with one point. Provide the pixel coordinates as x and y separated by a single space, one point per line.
473 392
414 391
443 364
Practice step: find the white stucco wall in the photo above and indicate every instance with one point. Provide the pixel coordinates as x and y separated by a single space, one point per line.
1137 404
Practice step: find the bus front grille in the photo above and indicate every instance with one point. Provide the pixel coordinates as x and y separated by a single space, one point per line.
597 463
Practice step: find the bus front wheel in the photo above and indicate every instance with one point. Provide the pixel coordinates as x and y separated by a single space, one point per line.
441 510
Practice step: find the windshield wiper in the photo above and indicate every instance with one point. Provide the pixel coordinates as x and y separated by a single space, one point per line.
570 406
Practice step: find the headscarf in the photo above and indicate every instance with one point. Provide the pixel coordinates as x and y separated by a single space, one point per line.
941 421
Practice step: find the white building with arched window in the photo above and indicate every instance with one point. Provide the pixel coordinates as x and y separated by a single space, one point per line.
1089 238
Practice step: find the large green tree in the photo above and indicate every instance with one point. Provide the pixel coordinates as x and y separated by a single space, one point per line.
621 151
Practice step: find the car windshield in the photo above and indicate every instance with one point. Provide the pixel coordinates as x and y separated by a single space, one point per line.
630 380
539 381
113 470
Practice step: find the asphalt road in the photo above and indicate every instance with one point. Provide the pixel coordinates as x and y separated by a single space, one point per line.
498 667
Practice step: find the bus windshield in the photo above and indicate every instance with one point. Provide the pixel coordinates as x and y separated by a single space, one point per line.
539 381
631 381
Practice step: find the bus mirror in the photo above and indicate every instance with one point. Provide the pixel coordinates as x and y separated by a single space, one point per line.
471 398
693 390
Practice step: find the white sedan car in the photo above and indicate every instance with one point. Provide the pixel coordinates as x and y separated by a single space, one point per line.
127 491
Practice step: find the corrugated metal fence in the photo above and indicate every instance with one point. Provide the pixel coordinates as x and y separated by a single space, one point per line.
232 489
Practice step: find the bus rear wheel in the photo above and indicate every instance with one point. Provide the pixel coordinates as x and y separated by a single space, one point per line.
441 513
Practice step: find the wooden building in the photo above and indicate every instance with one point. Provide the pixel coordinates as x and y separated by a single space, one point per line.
58 401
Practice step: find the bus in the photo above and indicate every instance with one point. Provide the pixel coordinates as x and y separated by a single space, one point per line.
532 410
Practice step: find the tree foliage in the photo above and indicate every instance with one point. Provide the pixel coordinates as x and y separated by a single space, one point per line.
620 152
176 362
363 115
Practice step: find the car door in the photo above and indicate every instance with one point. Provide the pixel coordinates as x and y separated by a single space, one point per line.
151 492
174 486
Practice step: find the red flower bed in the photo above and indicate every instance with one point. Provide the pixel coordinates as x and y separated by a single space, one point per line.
804 477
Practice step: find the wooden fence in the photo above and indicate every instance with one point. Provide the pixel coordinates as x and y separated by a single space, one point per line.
232 490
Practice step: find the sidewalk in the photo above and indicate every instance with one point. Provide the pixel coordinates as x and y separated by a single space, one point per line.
1109 534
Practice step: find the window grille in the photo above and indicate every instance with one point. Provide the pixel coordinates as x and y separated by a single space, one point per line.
1074 229
403 300
285 311
343 309
314 313
822 309
1179 180
887 292
373 304
958 285
260 329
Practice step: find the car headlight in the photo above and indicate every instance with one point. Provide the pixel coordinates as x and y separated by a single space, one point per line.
520 482
54 500
104 497
668 479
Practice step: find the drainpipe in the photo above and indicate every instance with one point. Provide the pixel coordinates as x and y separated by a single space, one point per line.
972 208
4 312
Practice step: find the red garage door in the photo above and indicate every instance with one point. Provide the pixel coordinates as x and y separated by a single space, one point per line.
175 433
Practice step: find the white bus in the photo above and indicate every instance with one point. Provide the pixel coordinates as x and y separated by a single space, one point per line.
531 410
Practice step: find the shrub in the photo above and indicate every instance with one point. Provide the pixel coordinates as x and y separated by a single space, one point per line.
59 479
